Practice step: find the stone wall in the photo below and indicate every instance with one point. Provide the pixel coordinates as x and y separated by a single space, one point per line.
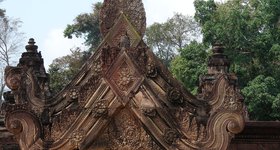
258 136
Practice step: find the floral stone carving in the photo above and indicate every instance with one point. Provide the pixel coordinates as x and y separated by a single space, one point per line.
123 97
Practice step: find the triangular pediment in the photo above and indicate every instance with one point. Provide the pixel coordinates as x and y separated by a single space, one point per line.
123 97
124 76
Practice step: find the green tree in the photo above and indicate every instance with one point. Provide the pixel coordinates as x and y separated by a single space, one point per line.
190 64
63 69
263 98
250 31
174 34
86 25
160 43
247 28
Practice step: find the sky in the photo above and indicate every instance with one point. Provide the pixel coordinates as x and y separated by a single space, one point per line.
45 20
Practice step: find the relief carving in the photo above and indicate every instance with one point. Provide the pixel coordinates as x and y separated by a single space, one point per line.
133 9
123 98
140 55
13 77
171 136
151 112
108 56
88 88
194 131
97 68
74 94
100 109
124 78
125 132
76 138
233 99
63 121
175 97
151 69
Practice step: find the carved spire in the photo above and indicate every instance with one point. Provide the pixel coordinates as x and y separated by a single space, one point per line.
31 47
31 58
218 62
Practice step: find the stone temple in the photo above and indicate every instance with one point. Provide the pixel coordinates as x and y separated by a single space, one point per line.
123 97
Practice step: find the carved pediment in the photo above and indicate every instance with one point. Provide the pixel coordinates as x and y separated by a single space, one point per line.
123 97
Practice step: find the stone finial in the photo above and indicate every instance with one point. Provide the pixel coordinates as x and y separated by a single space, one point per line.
31 47
218 62
218 48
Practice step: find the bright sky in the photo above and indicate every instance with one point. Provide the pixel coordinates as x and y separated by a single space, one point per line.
45 20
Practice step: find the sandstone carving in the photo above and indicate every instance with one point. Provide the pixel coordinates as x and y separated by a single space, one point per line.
123 97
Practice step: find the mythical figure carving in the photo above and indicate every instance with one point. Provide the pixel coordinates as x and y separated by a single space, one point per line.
123 97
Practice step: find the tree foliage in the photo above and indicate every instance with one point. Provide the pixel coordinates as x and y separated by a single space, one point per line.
263 98
174 34
10 41
190 64
86 25
250 31
2 11
63 69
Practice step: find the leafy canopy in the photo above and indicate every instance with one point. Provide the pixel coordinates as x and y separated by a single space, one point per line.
174 34
263 98
63 69
10 41
250 31
190 64
86 25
